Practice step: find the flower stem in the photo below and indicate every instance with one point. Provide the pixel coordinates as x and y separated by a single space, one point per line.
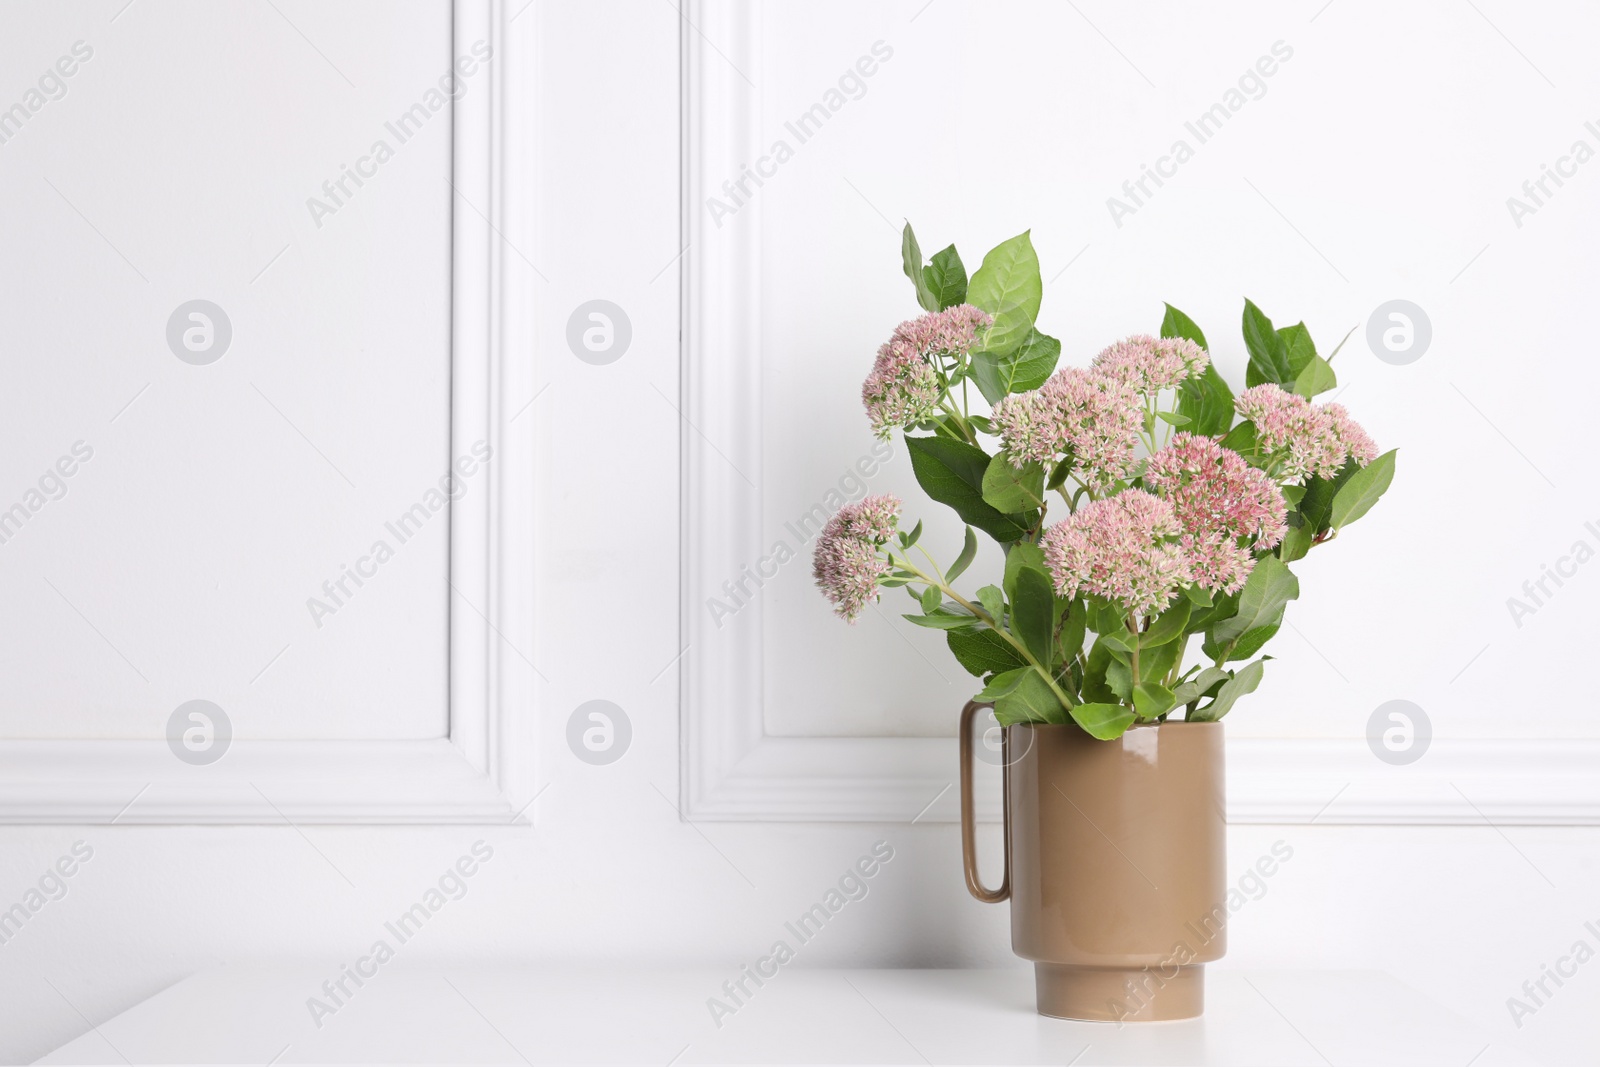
994 624
1133 627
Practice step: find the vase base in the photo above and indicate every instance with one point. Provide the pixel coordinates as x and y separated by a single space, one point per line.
1118 994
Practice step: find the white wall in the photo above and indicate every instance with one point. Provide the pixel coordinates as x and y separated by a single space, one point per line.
608 873
1374 163
215 500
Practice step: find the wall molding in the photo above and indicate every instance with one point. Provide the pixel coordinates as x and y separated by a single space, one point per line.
480 773
732 770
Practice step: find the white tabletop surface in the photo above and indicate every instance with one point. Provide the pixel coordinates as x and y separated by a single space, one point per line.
1275 1019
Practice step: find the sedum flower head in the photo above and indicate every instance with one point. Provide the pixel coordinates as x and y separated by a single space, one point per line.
1225 506
1357 442
1153 363
903 389
846 564
1092 416
1124 548
1315 439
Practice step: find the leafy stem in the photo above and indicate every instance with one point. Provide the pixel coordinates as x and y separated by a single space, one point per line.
937 581
1133 628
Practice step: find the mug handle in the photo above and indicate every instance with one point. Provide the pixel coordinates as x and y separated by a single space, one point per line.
969 851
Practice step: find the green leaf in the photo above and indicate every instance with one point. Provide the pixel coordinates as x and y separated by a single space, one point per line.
1342 340
1269 357
1296 543
1001 684
1026 368
1033 612
1270 586
1105 617
1156 663
1032 700
1020 555
1293 494
993 601
986 373
982 651
1363 489
1121 643
930 599
1200 685
942 620
1008 287
1242 439
1009 489
1168 626
1198 595
1107 722
947 277
1297 344
1249 644
1243 682
1173 419
1316 506
911 261
1033 362
969 549
1119 676
1071 627
1152 700
909 539
1095 684
1058 477
1176 324
1224 606
1207 402
1316 377
951 472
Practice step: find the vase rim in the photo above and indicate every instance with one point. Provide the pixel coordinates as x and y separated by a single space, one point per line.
1136 726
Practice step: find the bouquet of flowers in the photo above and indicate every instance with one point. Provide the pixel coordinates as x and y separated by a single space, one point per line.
1139 502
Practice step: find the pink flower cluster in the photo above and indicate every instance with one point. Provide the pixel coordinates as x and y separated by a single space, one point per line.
1090 415
1314 438
846 564
1220 501
903 388
1153 363
1124 548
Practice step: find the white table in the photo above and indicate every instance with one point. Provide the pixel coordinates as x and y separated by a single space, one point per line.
1275 1019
